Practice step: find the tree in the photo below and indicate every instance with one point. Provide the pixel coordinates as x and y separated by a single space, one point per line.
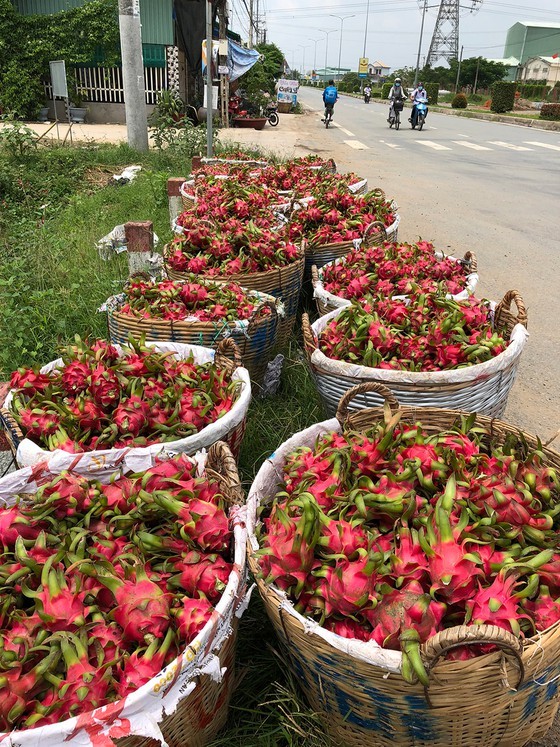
272 64
488 72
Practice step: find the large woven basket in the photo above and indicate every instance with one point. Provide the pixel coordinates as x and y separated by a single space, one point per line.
283 283
255 337
325 253
226 357
327 301
482 388
504 699
203 711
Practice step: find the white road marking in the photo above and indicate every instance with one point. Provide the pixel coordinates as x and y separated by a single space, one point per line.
543 145
390 145
511 146
431 144
341 128
356 145
459 134
474 146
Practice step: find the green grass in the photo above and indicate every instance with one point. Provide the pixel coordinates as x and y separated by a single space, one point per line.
57 203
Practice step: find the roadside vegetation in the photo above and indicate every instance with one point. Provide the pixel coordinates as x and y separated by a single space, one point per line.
56 203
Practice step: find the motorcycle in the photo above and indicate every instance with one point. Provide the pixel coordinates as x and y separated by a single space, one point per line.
271 113
419 113
367 97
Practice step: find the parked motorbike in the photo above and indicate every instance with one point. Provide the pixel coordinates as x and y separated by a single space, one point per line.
419 113
271 113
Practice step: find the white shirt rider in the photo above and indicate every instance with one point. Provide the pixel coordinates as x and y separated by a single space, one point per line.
419 94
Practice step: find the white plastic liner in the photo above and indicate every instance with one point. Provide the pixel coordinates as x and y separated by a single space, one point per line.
483 388
141 712
262 491
93 463
336 302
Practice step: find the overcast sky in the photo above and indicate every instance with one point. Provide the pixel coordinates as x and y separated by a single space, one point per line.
393 28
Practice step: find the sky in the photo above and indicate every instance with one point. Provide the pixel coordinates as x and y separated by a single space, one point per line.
393 28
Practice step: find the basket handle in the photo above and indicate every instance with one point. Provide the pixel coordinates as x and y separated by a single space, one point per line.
505 305
377 192
221 462
258 312
226 352
470 261
314 274
379 231
309 340
552 438
471 635
13 431
366 386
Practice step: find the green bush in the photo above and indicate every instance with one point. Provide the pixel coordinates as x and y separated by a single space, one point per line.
432 89
538 92
385 90
550 111
376 93
459 101
503 96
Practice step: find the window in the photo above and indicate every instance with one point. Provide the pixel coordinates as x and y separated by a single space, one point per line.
378 71
545 70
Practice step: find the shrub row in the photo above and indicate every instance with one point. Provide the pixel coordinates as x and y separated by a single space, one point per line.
503 96
550 111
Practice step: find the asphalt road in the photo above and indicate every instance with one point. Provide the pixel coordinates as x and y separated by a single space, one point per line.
474 185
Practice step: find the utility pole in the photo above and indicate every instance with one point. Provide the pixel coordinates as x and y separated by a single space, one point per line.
257 23
459 70
365 41
476 75
209 78
342 19
250 24
327 46
420 43
133 74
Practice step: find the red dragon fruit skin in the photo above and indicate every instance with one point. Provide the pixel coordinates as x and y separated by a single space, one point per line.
141 666
497 604
142 607
206 574
205 523
192 616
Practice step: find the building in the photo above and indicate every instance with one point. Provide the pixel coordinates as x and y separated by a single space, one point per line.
330 73
512 64
527 40
378 71
172 34
545 69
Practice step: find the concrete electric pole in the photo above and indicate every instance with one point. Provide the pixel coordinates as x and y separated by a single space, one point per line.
133 74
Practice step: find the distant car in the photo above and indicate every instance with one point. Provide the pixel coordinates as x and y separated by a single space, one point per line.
442 90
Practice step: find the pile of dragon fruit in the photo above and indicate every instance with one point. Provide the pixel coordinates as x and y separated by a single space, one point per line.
229 247
98 399
398 532
193 298
393 269
423 332
335 215
104 585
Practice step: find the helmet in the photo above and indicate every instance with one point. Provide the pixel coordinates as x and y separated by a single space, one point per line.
420 85
331 82
397 80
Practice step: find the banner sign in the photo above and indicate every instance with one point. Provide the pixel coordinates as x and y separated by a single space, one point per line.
287 91
363 67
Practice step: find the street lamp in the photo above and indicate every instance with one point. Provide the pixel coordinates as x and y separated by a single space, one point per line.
315 53
342 19
304 47
327 46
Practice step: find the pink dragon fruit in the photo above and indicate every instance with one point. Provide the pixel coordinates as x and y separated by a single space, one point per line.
203 574
192 616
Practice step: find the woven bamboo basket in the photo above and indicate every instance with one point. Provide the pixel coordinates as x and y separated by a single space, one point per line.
325 253
226 357
283 283
327 301
188 198
482 388
255 337
506 698
202 712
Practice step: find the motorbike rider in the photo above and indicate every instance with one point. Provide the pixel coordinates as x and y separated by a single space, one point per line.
396 92
367 94
330 97
419 94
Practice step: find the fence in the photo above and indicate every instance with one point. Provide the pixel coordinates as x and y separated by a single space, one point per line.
105 84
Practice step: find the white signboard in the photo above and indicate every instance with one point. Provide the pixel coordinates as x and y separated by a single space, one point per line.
287 91
214 98
58 78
